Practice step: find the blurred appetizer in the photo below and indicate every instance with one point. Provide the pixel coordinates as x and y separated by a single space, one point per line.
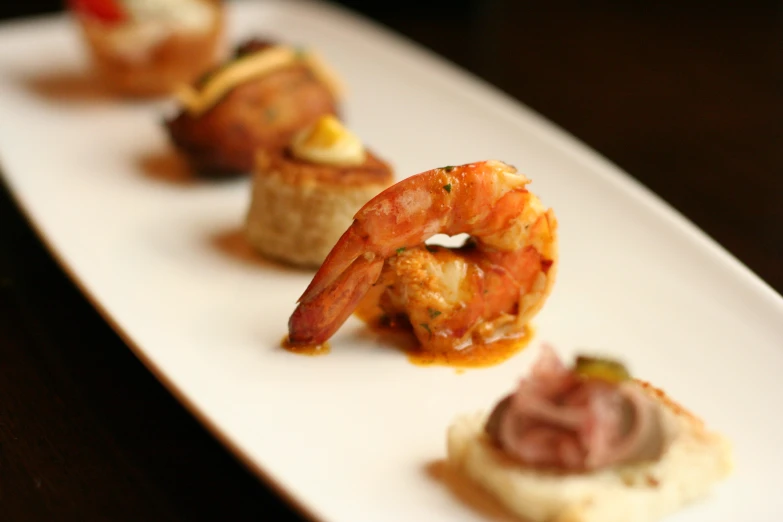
257 100
588 444
144 48
451 298
305 195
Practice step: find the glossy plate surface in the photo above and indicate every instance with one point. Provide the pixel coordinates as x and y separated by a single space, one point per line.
351 436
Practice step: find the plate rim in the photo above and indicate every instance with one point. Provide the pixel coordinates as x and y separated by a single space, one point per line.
482 93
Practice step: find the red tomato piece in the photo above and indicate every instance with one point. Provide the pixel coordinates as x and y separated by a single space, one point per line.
104 10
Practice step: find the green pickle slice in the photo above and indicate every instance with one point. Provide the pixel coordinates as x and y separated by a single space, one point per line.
600 368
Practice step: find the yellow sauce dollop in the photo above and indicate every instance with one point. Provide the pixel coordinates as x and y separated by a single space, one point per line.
328 142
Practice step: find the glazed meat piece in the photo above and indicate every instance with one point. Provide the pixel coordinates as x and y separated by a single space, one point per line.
560 418
262 112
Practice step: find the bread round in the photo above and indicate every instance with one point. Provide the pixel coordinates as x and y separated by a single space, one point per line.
298 210
694 462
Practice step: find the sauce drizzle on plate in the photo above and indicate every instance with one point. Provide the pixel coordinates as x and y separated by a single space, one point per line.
474 356
311 349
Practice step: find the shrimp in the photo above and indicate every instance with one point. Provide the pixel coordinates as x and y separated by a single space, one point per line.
499 279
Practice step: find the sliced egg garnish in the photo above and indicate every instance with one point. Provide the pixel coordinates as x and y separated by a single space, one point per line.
251 66
328 142
232 74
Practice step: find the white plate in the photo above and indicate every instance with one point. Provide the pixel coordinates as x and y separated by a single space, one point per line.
349 436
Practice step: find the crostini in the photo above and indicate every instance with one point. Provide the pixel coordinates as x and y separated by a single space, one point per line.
588 443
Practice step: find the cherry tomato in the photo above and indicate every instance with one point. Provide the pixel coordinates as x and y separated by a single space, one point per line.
104 10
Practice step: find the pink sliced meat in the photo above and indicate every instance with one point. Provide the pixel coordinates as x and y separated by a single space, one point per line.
559 419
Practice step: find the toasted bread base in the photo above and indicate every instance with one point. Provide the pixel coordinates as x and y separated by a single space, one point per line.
694 462
297 218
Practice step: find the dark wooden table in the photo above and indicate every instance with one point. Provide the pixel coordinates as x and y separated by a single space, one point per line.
688 100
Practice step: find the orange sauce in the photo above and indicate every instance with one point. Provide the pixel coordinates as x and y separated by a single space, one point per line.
368 309
474 356
310 349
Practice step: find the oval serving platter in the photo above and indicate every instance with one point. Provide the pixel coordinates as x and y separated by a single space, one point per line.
354 435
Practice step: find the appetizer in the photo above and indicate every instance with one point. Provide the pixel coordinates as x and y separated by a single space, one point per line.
588 443
450 298
305 195
257 100
148 48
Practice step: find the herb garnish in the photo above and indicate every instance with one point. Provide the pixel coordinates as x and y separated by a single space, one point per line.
270 113
447 188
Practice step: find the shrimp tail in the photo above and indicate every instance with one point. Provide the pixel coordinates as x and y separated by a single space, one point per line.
320 314
349 247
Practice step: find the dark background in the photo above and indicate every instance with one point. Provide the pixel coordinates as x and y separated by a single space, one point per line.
685 96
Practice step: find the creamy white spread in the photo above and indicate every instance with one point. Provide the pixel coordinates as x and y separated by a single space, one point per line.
184 14
152 21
